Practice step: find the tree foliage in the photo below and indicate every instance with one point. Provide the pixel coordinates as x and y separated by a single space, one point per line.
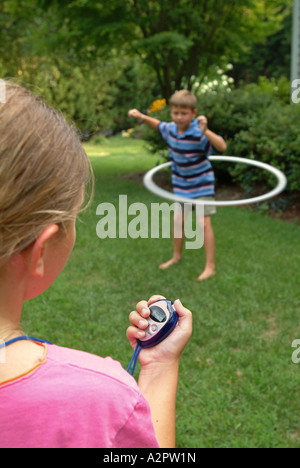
270 59
93 59
178 39
182 39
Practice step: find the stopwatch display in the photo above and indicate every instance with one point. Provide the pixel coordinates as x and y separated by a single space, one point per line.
161 322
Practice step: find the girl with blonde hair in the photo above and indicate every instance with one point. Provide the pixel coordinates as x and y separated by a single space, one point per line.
50 396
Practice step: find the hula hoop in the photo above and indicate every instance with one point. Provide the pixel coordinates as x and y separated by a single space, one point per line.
282 182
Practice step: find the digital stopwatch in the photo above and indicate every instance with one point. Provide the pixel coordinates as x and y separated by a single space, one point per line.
161 322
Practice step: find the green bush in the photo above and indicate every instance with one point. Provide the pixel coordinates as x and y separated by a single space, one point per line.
95 97
81 94
272 137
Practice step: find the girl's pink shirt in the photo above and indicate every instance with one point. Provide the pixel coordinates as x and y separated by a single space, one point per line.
74 399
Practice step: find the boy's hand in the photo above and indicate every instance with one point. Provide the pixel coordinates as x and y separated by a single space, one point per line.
169 349
135 113
202 122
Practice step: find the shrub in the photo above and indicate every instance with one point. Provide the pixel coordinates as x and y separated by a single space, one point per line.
258 122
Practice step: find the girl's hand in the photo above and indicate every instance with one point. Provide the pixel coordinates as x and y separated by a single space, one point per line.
170 349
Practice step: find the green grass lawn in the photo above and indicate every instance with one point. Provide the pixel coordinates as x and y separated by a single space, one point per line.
238 385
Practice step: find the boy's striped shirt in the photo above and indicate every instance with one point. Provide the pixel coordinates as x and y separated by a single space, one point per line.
192 173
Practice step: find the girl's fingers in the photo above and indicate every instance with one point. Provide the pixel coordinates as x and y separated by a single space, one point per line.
154 299
181 310
141 305
133 333
137 319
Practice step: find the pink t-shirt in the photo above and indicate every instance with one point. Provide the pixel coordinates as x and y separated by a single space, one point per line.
74 399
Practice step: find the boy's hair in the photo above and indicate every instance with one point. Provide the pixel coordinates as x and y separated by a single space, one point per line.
43 170
184 98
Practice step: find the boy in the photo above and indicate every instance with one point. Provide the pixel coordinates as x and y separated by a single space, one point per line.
190 143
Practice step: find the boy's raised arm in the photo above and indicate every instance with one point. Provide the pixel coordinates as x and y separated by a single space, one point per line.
150 121
217 142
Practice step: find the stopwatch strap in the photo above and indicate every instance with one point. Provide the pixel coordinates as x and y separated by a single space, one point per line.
23 337
134 359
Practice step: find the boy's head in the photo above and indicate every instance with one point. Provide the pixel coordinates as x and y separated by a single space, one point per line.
183 109
184 98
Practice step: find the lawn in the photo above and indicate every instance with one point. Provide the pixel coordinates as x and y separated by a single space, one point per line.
238 385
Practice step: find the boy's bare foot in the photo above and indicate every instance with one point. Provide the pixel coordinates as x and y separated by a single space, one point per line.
207 273
171 262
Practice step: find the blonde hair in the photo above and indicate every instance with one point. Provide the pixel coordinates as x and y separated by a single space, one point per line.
183 98
43 170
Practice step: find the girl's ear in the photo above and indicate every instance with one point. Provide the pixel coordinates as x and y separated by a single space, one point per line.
35 258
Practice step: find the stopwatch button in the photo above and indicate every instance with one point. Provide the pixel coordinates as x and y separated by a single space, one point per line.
153 328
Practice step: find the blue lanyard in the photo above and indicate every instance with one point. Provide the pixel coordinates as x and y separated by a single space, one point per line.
19 338
134 359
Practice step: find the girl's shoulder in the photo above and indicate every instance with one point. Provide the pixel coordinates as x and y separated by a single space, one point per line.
82 362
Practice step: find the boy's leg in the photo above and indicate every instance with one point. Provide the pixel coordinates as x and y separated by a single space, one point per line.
209 248
178 239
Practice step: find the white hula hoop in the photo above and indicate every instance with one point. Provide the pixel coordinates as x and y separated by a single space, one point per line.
282 182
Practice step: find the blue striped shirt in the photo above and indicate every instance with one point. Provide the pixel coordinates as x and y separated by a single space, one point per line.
192 172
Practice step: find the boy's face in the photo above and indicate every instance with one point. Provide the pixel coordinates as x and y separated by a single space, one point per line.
182 117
